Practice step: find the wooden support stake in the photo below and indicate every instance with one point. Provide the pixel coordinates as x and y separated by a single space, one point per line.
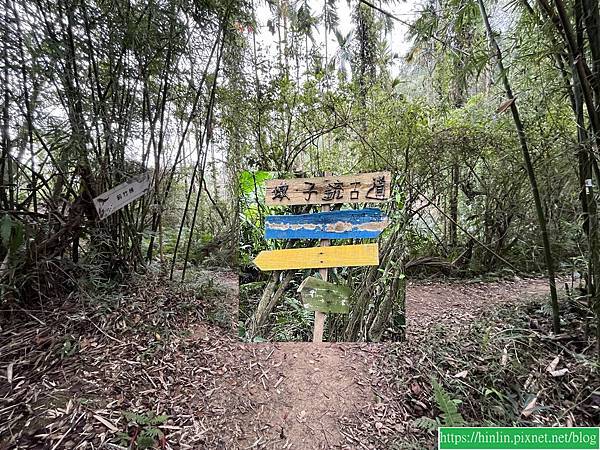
319 316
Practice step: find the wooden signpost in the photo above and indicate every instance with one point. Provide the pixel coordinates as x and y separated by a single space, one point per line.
318 294
121 195
361 188
347 224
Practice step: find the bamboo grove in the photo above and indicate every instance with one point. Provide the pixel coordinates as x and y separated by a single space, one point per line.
490 124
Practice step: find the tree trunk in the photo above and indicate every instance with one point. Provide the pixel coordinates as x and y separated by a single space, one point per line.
267 302
6 178
589 14
530 171
452 229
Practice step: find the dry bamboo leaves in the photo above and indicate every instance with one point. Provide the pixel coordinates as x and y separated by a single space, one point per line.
80 395
218 392
552 368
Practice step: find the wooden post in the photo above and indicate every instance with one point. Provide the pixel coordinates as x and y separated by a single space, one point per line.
319 316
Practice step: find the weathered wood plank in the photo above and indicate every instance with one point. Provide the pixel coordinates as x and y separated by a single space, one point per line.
348 224
359 188
325 297
318 257
121 195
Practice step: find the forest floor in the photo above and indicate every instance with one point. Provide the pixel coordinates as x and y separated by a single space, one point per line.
154 365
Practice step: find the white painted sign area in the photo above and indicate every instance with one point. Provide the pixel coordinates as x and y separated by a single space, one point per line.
122 195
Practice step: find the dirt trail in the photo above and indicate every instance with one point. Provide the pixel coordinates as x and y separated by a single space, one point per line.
458 303
302 392
218 393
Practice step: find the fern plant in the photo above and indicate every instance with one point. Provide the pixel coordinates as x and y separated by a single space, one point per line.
147 422
427 423
450 413
450 416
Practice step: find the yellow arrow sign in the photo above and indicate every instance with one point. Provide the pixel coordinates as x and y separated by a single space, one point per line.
318 257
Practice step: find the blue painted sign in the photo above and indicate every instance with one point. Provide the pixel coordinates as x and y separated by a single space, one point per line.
347 224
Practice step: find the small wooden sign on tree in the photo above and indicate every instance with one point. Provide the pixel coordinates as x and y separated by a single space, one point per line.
121 195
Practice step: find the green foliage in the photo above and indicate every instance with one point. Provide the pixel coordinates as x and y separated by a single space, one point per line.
450 414
148 418
148 438
12 233
5 229
148 434
249 181
69 347
252 214
123 438
292 322
426 423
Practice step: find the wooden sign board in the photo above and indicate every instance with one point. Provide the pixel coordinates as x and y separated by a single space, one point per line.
359 188
318 257
121 195
319 295
348 224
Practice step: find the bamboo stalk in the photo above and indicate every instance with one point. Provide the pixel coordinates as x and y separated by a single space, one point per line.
529 167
